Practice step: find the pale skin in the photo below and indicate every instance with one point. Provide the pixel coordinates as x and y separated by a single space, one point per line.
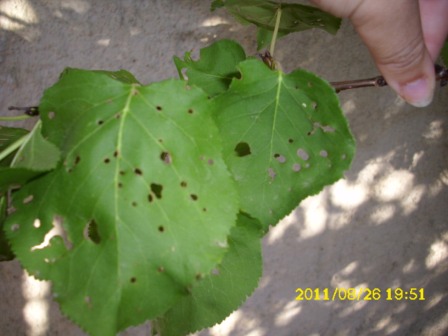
404 37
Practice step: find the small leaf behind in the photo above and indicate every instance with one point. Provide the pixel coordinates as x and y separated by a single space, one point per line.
216 296
215 68
295 17
286 138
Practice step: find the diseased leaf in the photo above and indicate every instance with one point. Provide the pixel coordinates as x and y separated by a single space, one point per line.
215 68
295 17
286 138
219 294
140 206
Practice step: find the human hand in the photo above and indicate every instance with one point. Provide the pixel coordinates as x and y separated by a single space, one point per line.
404 37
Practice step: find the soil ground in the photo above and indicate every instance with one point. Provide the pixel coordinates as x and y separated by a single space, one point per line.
384 226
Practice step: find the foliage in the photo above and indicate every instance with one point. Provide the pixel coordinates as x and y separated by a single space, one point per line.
150 201
262 14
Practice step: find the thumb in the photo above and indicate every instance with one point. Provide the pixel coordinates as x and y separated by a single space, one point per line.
392 30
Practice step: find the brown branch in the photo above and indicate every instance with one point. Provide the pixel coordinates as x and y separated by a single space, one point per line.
441 75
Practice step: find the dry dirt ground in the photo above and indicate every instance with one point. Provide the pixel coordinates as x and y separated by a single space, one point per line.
384 226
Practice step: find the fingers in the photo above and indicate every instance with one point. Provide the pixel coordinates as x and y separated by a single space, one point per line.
434 14
392 30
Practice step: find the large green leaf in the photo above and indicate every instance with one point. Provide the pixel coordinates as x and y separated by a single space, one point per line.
215 68
140 207
33 156
220 293
262 13
286 138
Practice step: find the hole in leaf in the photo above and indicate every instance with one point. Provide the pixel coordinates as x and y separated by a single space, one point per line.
159 108
133 280
106 160
88 299
343 156
28 199
100 122
150 198
323 153
116 153
120 185
183 184
138 171
157 190
37 223
160 269
296 167
242 149
118 116
77 159
194 197
302 154
190 111
290 141
122 172
166 157
51 115
15 227
91 232
57 230
314 105
161 228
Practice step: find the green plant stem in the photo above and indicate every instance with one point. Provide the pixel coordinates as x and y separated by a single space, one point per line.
274 35
13 147
17 118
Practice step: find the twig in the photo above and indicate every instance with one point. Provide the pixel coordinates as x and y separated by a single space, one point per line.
32 111
441 75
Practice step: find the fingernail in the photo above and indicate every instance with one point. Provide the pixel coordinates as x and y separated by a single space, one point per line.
418 93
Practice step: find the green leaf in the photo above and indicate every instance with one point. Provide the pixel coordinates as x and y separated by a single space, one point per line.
295 17
286 138
140 206
444 53
216 67
34 156
222 292
5 249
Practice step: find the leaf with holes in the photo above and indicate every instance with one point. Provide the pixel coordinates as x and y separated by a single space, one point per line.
215 68
140 206
262 13
286 138
32 158
217 295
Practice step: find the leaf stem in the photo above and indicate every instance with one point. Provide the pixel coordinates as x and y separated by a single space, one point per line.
13 147
274 35
17 118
